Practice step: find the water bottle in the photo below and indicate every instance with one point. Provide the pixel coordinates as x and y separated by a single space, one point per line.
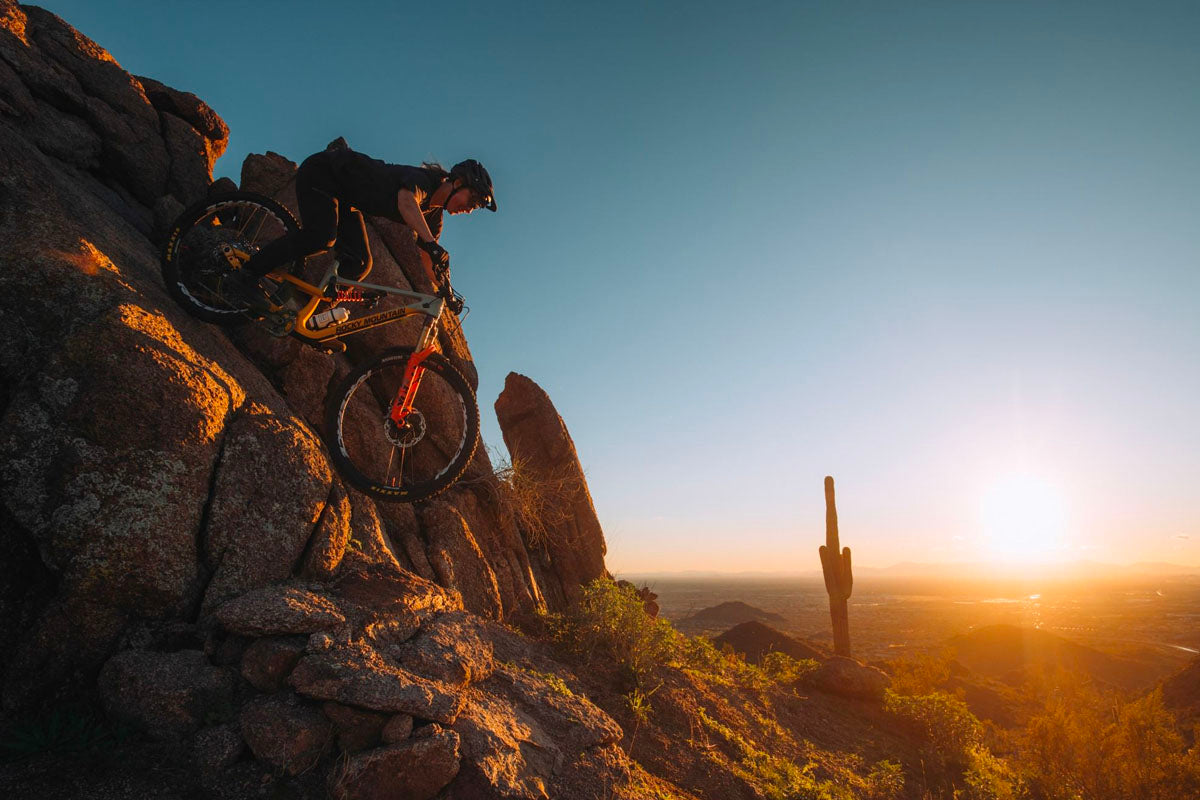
327 318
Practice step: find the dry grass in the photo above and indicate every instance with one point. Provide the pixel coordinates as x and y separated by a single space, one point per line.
539 502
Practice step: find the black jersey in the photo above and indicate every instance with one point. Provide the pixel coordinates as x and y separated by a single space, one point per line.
370 185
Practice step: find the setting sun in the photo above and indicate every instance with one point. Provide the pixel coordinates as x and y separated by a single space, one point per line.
1023 518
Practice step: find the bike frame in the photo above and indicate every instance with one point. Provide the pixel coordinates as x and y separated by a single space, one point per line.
430 305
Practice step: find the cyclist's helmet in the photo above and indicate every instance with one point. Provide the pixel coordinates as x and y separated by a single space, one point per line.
476 178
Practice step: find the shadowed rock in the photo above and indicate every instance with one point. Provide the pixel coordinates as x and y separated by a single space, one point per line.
271 486
217 748
397 729
284 733
165 694
356 729
266 663
414 770
457 559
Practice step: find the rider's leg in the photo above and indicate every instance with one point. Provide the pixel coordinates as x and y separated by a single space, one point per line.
353 249
318 221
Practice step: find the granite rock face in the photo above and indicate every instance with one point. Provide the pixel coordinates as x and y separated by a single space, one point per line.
176 544
155 466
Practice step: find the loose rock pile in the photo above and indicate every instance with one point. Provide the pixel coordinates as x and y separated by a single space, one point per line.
378 682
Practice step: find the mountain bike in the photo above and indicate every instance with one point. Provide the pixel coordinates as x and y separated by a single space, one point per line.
401 427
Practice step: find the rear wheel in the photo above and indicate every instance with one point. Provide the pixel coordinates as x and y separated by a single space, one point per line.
193 265
413 461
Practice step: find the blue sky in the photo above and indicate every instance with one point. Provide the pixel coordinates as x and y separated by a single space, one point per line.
922 247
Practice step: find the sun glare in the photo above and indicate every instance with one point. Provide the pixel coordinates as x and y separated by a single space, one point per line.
1023 518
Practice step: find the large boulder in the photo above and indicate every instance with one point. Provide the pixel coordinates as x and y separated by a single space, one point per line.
279 609
168 695
452 648
285 733
416 769
271 487
846 677
67 94
569 542
114 403
356 674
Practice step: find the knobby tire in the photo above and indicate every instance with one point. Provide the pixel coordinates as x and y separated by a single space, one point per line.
358 429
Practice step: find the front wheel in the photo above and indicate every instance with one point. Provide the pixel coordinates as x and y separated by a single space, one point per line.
413 461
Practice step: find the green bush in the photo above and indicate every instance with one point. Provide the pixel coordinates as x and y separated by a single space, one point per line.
921 674
698 654
945 721
611 623
1085 745
990 778
782 668
885 781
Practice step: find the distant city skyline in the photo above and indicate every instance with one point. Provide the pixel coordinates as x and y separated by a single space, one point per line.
945 252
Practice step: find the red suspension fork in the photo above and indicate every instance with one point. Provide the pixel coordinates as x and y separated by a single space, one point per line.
402 403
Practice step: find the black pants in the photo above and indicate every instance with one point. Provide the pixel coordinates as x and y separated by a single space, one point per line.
324 222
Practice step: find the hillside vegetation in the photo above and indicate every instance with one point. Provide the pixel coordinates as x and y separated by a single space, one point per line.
715 726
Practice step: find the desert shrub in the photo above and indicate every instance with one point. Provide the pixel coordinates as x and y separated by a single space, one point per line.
989 777
698 654
921 674
945 721
884 782
556 684
773 777
782 668
610 622
639 704
1086 745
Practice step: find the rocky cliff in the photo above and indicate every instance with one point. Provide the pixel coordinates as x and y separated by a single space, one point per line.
172 536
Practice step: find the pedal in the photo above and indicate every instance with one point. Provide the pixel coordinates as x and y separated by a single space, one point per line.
279 323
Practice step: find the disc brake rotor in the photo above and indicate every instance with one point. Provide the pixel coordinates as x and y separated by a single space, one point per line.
407 434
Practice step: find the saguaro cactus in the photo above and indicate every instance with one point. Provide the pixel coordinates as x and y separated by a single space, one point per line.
838 578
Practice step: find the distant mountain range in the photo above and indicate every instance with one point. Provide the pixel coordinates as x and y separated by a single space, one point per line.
948 570
1008 652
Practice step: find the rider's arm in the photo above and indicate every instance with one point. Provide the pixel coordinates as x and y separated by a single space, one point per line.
410 212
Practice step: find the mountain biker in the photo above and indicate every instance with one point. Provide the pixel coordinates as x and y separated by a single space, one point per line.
335 187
